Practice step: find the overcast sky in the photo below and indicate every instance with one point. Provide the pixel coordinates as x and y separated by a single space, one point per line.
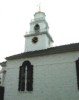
15 16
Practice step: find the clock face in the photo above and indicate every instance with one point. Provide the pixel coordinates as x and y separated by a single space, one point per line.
35 39
37 27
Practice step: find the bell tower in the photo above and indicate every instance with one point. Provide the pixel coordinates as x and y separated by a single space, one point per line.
39 24
38 37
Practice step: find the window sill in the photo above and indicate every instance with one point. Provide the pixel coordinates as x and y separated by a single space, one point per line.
25 91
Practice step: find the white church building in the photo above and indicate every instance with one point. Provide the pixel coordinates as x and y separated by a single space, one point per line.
42 72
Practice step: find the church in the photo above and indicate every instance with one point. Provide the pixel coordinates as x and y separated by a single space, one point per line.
42 72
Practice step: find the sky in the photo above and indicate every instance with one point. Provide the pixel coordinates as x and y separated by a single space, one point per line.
15 15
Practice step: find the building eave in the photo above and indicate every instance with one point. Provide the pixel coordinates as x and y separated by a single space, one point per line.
49 51
3 64
48 35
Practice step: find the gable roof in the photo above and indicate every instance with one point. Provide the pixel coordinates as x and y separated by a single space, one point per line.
49 51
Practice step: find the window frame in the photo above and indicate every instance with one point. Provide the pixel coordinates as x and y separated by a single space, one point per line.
28 85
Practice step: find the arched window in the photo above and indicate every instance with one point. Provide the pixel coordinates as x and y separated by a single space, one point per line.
37 28
77 70
26 77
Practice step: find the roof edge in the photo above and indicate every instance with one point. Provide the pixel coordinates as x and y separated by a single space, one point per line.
49 51
3 64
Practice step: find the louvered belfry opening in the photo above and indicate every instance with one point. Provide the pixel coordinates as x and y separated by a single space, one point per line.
77 70
1 93
26 77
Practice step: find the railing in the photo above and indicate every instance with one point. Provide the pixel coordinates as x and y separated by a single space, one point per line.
41 30
40 19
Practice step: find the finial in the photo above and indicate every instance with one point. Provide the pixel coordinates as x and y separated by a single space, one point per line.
39 7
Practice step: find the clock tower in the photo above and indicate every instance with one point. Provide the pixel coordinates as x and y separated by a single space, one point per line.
38 37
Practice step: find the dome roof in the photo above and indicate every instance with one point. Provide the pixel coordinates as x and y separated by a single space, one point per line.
39 15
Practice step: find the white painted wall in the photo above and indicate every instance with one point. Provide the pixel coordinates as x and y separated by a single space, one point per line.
1 76
54 78
43 43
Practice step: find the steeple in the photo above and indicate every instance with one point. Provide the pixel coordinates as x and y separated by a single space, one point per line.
38 37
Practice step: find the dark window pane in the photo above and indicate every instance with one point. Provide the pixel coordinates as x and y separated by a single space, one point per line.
26 75
1 93
77 69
